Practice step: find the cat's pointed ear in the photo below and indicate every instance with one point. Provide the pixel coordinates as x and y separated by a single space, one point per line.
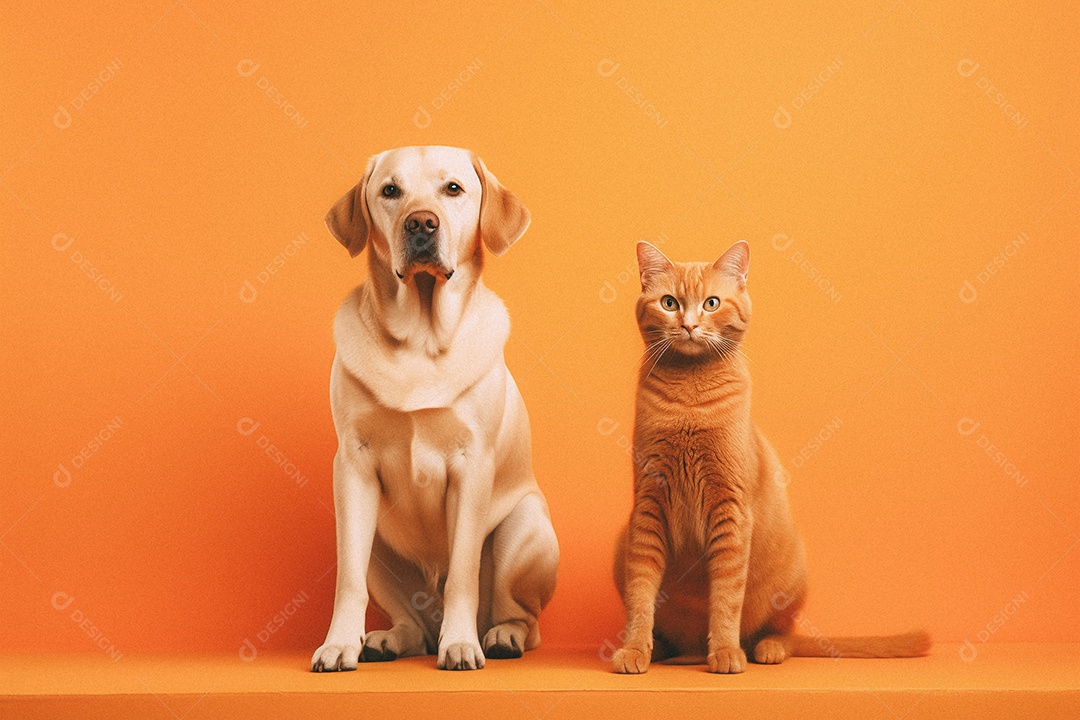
735 263
651 262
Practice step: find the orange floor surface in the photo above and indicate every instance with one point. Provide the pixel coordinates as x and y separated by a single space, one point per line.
996 681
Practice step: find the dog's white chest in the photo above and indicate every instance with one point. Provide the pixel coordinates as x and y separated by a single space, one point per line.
420 445
407 379
427 462
413 470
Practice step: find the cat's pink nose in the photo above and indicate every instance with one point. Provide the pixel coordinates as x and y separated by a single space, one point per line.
689 329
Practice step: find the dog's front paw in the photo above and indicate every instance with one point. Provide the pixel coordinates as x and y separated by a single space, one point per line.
381 646
630 661
461 656
332 657
727 660
505 641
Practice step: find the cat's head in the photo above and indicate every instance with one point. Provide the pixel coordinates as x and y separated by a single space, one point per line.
699 309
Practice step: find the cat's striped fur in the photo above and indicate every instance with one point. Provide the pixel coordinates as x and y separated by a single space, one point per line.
710 566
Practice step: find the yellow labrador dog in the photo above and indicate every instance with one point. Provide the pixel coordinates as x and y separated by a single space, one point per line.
439 516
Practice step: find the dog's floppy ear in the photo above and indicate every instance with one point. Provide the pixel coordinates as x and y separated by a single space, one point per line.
503 218
348 220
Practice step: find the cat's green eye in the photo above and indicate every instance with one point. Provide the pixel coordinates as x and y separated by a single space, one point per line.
668 302
712 303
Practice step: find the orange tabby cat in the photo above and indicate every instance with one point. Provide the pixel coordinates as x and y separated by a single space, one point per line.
710 563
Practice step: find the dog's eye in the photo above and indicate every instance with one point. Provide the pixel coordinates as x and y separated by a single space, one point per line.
668 302
390 191
454 189
712 303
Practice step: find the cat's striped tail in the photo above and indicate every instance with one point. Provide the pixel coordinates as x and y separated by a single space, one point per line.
910 644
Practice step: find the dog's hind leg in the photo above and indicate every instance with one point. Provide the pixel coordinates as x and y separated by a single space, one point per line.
525 558
400 590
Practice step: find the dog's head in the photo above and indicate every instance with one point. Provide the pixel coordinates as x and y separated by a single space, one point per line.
427 209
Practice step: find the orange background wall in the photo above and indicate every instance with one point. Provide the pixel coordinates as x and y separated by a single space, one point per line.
863 135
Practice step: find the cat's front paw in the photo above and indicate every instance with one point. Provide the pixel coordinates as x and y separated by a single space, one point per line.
630 661
727 660
770 651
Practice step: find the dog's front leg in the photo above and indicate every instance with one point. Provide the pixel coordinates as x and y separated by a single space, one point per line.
356 506
467 500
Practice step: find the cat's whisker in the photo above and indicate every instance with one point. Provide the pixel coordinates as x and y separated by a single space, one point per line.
655 347
651 351
745 356
715 346
722 350
648 351
728 343
654 357
658 352
652 346
748 359
658 356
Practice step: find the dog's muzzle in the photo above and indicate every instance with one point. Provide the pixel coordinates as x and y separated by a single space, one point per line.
421 230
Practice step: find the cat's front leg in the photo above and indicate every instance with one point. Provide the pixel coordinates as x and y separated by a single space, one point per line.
727 554
646 559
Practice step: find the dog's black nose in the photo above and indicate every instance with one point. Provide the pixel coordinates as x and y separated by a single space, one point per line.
421 221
